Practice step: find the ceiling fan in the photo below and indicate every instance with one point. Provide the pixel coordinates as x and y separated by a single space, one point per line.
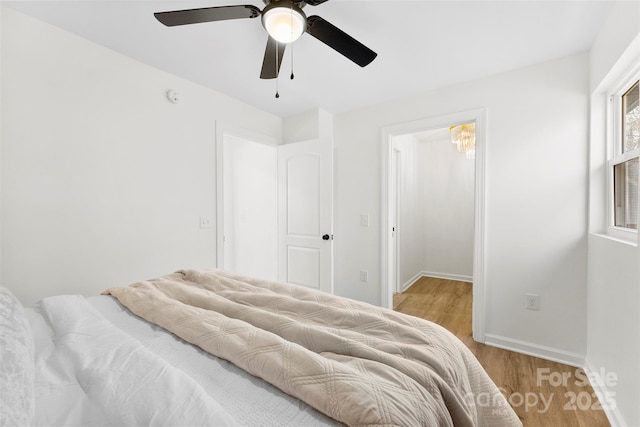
284 21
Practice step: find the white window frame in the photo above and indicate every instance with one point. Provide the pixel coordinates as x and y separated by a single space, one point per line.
615 156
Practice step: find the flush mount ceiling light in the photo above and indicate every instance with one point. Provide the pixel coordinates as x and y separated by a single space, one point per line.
284 22
464 136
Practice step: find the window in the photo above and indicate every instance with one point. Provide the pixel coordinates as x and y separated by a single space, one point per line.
625 151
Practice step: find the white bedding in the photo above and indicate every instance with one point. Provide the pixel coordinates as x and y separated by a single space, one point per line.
98 364
360 364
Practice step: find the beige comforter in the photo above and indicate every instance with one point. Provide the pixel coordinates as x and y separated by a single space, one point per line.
357 363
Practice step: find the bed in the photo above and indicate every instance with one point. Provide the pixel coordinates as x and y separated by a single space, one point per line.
213 348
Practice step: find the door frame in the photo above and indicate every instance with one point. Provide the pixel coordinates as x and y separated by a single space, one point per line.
396 189
221 130
477 115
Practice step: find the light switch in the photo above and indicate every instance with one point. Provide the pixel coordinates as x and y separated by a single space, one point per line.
364 220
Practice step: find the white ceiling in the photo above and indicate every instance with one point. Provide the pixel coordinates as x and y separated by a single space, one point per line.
421 45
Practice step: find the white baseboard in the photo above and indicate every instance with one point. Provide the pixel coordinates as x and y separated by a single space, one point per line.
536 350
543 352
567 358
414 279
612 413
448 276
410 282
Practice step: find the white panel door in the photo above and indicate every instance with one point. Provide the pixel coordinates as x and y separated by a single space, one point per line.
305 210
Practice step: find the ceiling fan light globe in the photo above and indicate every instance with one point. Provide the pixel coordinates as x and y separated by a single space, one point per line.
284 23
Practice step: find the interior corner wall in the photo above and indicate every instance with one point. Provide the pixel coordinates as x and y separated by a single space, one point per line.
301 127
613 319
436 206
409 223
103 179
307 126
446 179
536 197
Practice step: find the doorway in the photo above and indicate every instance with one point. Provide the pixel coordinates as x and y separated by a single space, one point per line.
275 208
250 208
434 203
391 252
246 199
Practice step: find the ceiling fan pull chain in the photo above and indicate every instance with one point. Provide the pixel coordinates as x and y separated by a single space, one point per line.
292 76
277 91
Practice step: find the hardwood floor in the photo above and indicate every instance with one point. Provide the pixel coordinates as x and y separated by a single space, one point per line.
541 392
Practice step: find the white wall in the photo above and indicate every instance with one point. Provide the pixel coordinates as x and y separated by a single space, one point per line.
436 208
409 226
446 180
250 208
614 323
103 180
536 201
306 126
613 318
1 132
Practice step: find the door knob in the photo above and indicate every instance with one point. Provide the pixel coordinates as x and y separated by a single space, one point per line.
326 237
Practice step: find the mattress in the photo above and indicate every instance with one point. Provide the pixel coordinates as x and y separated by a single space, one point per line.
98 364
220 349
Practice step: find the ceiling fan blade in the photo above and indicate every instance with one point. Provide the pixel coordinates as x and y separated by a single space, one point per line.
274 49
206 14
314 2
342 42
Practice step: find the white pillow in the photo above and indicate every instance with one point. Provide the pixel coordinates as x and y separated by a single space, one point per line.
16 363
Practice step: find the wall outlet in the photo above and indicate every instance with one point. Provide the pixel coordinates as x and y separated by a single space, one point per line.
532 302
206 222
364 276
364 220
